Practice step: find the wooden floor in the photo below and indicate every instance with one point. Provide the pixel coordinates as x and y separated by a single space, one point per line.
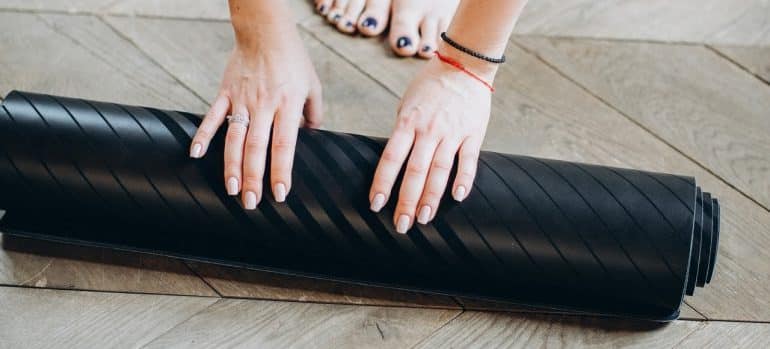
679 87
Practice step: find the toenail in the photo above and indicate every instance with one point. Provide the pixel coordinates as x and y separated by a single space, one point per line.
369 22
348 24
403 42
336 18
321 8
426 48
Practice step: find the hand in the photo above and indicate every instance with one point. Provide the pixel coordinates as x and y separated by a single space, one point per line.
269 79
443 112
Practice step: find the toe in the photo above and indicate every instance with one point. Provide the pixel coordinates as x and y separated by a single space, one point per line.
336 12
429 38
374 19
348 22
404 36
323 6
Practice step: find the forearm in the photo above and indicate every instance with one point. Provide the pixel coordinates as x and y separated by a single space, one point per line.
256 20
485 27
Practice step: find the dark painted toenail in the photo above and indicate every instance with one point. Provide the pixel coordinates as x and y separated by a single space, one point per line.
321 8
348 24
369 22
426 48
336 18
403 42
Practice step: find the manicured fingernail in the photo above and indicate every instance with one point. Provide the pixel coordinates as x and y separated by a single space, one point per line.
426 48
196 151
279 191
378 202
250 200
459 194
403 42
424 215
232 186
403 224
369 22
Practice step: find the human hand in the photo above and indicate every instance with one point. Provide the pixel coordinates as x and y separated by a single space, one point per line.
269 81
444 112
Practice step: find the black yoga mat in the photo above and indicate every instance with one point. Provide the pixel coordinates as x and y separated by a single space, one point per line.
560 235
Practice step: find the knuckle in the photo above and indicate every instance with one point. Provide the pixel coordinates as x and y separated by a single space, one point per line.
432 195
416 169
390 157
204 133
441 165
407 203
255 145
252 180
283 143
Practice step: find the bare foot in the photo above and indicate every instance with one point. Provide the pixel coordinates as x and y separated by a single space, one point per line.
416 25
369 17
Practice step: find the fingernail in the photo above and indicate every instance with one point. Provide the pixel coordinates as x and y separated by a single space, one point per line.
426 48
424 215
369 22
378 202
250 200
459 194
232 186
196 151
403 42
403 224
279 191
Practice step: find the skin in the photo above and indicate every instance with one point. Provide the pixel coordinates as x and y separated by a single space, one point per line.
415 25
444 111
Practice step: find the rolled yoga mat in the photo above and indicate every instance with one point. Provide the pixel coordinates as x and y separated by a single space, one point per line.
559 235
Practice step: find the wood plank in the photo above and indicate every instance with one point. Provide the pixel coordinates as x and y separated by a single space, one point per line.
538 112
696 100
70 6
753 58
269 324
511 330
199 64
686 311
83 58
728 335
34 318
244 283
36 263
212 10
742 22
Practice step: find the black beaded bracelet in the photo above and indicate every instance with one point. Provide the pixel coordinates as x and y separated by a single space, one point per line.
471 52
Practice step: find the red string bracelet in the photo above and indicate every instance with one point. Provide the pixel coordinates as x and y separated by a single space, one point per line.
461 67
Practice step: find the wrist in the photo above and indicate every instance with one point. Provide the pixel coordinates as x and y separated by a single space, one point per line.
482 68
261 23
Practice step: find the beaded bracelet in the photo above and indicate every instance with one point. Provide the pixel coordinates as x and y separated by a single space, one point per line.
471 52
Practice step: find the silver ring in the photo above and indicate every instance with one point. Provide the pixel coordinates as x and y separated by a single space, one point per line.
238 119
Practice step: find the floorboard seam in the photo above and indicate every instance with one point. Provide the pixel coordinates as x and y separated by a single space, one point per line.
195 272
105 291
638 124
430 335
151 59
696 329
736 63
342 56
705 318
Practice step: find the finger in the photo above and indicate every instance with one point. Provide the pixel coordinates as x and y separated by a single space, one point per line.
438 175
389 166
283 146
209 126
255 155
415 174
236 135
466 168
313 110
